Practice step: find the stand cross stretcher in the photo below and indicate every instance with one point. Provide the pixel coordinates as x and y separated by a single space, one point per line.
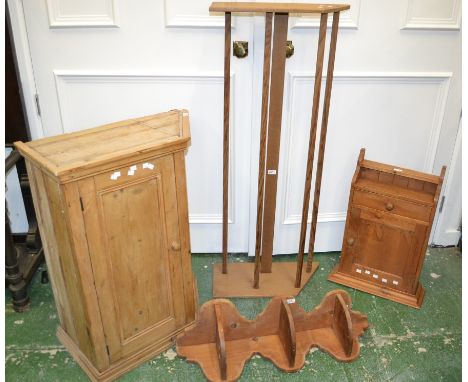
243 279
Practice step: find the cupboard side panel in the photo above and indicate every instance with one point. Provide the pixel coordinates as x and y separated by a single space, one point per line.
421 241
42 208
80 249
69 269
351 232
184 232
174 246
427 233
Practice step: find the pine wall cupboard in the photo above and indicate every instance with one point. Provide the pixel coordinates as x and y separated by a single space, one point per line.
112 208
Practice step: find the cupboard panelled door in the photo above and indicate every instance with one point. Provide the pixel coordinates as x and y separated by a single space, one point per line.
386 243
140 289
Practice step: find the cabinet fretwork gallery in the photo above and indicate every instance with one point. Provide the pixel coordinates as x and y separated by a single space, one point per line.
112 209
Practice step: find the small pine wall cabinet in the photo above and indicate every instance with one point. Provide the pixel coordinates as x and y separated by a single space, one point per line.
390 215
112 208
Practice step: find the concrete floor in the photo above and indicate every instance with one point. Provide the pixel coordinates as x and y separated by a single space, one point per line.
401 344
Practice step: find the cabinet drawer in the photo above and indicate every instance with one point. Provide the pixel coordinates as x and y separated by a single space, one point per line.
392 205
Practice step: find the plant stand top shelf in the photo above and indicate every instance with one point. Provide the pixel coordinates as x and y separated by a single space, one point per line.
277 7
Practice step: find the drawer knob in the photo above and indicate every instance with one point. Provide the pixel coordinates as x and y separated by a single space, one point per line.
350 241
389 206
175 246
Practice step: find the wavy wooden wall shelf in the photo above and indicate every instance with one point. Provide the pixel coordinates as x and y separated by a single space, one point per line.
221 340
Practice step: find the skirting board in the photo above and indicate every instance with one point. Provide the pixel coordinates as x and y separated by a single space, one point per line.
120 367
414 301
238 282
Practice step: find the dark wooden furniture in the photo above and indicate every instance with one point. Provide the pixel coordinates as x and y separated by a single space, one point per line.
238 282
22 256
390 215
23 250
112 207
222 341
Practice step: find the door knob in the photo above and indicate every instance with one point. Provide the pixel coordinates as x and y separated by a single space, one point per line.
175 246
350 241
289 48
240 49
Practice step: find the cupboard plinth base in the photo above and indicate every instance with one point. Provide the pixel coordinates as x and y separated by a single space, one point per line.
238 282
120 367
413 300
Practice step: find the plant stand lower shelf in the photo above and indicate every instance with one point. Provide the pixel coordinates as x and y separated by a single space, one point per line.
238 282
415 300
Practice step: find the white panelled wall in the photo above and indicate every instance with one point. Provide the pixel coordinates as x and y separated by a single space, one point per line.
397 92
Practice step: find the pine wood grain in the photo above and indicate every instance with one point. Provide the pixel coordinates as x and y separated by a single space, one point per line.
404 193
388 224
270 131
311 150
263 134
116 238
323 138
287 332
74 155
283 333
220 341
79 244
190 289
238 282
275 113
227 97
343 325
49 241
71 277
392 204
412 174
120 367
276 7
96 247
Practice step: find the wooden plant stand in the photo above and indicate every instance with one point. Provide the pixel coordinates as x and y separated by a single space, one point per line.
272 104
221 340
390 215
